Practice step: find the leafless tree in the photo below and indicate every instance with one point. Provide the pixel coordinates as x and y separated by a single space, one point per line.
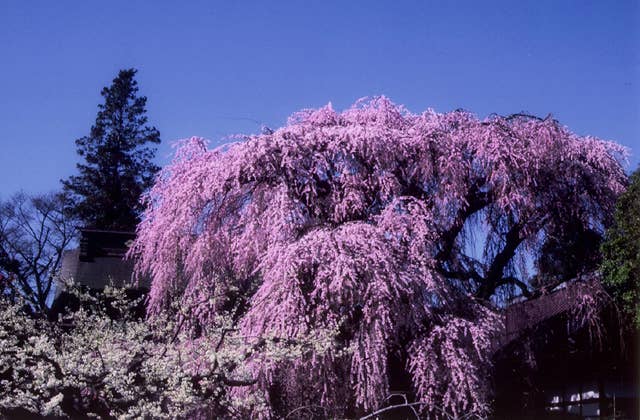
35 230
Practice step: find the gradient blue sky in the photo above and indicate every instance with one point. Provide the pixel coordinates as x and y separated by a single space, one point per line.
211 67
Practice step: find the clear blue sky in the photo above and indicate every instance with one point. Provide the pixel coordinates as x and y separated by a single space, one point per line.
209 66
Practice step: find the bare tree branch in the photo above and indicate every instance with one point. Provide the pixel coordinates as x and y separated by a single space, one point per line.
34 233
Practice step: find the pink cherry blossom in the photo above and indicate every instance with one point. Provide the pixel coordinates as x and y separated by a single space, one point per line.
363 222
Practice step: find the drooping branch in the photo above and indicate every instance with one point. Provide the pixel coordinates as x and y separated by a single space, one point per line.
361 227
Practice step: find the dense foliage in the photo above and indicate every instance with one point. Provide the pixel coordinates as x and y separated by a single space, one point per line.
118 156
99 360
400 231
35 230
621 266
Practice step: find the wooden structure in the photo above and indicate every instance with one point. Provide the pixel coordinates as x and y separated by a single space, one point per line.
101 260
549 367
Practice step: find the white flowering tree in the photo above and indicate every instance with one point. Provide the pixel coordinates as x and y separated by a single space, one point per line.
99 361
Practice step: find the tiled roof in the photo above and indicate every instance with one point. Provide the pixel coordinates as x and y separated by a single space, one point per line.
522 316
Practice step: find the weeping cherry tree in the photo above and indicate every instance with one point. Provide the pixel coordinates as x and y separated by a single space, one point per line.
401 234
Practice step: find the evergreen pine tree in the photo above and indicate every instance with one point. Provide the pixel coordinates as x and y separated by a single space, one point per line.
118 156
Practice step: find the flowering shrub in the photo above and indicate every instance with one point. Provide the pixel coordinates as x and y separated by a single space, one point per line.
88 364
398 231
